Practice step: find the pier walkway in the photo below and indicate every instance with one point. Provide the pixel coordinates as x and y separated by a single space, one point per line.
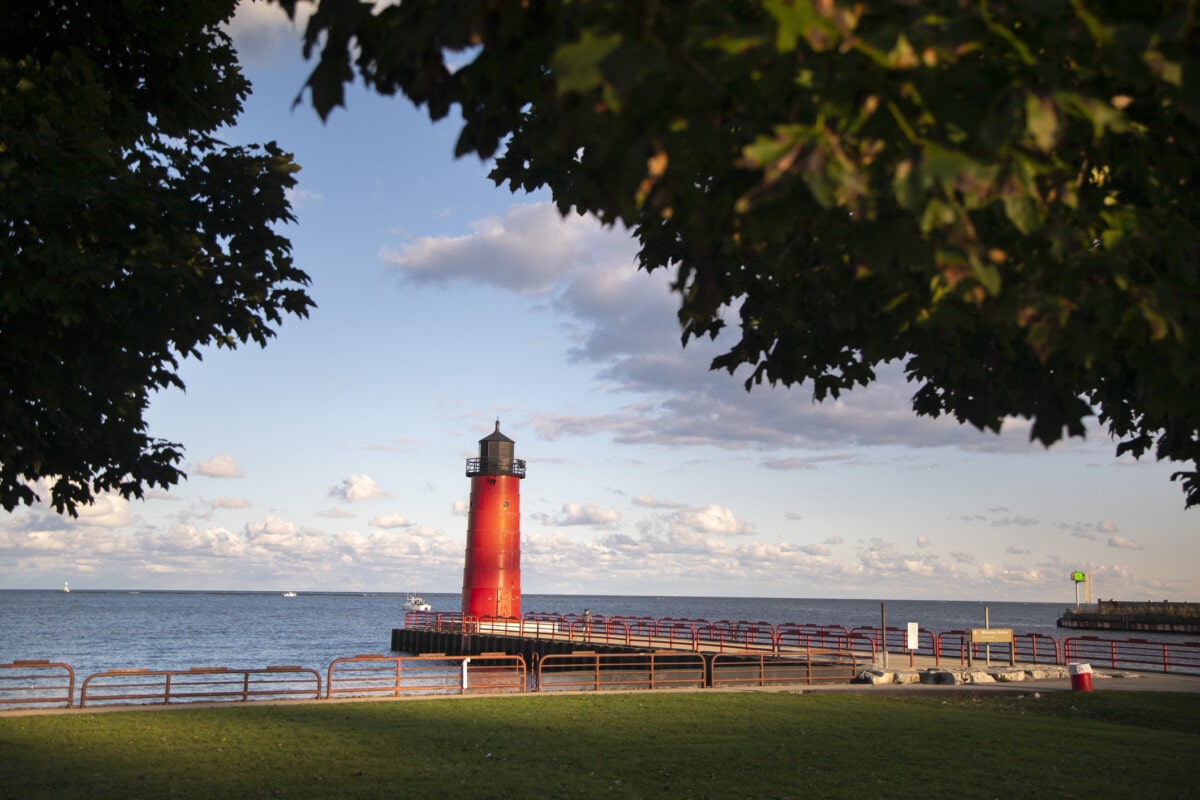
957 654
545 633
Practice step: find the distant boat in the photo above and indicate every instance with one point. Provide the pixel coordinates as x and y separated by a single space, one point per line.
66 588
289 594
414 603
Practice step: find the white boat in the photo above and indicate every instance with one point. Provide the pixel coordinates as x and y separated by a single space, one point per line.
289 594
66 588
414 603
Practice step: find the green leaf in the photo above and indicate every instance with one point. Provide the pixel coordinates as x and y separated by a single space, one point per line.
1041 122
577 67
1022 212
792 21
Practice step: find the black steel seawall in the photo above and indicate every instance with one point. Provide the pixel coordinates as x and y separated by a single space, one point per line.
421 641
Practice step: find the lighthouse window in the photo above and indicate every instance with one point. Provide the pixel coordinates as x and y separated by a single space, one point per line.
506 504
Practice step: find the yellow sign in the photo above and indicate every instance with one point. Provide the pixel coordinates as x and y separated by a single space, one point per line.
991 635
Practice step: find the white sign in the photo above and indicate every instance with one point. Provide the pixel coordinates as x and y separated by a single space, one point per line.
911 641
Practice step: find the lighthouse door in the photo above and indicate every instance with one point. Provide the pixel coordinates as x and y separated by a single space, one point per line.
504 603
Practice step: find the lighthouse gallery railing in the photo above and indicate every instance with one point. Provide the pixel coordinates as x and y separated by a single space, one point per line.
495 466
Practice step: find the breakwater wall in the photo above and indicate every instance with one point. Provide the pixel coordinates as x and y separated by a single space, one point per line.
1123 615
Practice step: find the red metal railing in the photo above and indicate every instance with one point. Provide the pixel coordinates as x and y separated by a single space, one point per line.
747 652
601 630
199 684
862 645
792 637
1134 654
726 636
806 635
676 632
644 633
762 669
895 641
587 670
36 682
380 675
1036 648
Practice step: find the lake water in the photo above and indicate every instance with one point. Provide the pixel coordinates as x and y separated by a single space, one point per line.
94 631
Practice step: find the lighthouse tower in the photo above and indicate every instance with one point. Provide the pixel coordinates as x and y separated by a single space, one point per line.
492 571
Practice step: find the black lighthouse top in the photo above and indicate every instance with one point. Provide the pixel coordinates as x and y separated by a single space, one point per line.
495 457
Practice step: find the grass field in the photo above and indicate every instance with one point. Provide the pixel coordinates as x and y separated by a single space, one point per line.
631 744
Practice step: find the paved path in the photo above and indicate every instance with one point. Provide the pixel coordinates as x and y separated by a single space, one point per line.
1103 680
1100 683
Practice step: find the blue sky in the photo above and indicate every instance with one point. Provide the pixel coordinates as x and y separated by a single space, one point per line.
334 459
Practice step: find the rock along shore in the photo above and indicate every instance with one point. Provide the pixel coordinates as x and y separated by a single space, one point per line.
957 676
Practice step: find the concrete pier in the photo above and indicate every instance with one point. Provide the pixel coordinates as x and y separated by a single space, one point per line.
1120 615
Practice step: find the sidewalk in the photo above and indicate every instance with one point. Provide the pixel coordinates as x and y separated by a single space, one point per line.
1103 681
924 673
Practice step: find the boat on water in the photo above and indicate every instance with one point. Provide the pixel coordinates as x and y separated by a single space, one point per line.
66 587
415 603
289 594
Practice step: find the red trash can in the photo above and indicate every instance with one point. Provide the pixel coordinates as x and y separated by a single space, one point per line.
1081 677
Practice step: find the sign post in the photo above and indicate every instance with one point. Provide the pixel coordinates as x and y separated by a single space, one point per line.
912 640
883 631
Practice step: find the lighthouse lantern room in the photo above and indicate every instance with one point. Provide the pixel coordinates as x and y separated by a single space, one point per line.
492 569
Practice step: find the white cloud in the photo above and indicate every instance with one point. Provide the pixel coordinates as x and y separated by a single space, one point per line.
807 462
1023 522
711 518
527 250
108 511
916 566
649 501
694 550
221 466
1121 543
335 513
186 542
881 558
577 514
923 542
389 521
260 31
357 488
273 531
299 197
230 502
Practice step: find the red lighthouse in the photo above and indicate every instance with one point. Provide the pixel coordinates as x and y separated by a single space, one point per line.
492 572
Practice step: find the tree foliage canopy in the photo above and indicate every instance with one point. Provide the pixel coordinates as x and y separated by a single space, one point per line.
130 236
1000 195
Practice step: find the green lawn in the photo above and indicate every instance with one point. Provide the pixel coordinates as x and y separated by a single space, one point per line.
632 744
